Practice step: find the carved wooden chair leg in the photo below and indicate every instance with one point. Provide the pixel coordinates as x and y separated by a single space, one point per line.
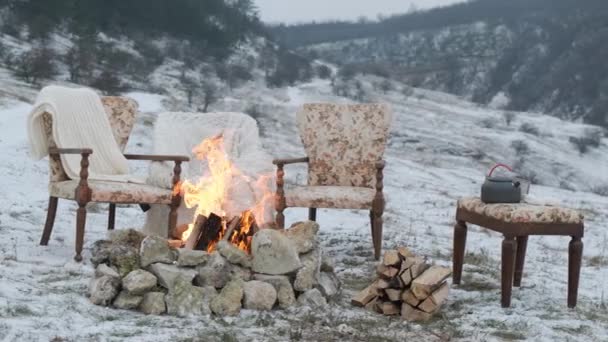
111 216
50 221
280 202
460 241
509 246
81 219
575 255
376 224
312 214
522 243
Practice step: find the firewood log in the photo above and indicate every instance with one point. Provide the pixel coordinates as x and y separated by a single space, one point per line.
406 264
412 314
405 252
382 284
434 301
429 281
393 295
232 224
418 267
366 296
176 243
379 305
408 297
390 309
371 306
391 258
386 272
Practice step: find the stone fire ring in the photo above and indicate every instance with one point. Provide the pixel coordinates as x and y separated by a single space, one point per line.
286 268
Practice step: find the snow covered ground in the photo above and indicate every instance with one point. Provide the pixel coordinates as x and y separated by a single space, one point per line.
439 151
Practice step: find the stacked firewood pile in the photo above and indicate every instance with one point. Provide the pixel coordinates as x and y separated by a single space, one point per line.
406 285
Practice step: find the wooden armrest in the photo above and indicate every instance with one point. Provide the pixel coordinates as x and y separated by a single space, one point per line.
156 157
55 151
290 161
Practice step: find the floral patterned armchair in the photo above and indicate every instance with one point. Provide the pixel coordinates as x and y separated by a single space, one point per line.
121 112
344 146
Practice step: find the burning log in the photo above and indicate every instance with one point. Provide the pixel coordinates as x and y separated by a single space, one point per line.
407 285
209 233
196 232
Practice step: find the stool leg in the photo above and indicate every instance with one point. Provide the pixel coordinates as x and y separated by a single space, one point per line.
460 241
522 243
509 245
575 254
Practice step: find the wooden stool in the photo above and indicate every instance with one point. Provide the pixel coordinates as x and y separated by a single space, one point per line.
516 222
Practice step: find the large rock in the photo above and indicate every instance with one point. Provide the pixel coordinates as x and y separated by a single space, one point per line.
126 237
258 295
153 303
155 249
127 301
215 273
282 285
138 282
105 270
233 254
228 302
303 235
273 253
329 284
124 258
103 290
167 274
313 298
184 299
308 276
101 252
187 257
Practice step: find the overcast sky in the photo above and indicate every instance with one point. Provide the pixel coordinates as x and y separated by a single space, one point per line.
291 11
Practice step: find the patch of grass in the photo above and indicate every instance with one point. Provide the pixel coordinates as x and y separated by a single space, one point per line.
471 284
597 261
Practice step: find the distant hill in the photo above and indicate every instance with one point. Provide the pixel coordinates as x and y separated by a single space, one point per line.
531 55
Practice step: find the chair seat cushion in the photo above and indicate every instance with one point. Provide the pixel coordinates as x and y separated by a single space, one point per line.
113 192
521 212
338 197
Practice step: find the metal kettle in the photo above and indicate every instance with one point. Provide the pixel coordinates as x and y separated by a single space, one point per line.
501 189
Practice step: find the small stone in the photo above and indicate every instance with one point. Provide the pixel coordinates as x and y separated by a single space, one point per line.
105 270
329 284
303 235
308 276
167 274
215 273
327 264
127 237
233 254
282 285
273 253
103 290
312 298
258 295
138 282
155 249
124 258
238 272
153 303
187 257
228 302
185 300
127 301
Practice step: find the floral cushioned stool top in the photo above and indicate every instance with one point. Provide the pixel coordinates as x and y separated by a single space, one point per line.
521 212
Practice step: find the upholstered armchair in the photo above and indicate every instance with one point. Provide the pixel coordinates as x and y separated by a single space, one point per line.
121 112
344 146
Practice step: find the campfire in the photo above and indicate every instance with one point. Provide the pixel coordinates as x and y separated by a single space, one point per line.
229 204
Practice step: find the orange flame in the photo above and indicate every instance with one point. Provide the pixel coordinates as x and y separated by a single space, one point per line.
210 194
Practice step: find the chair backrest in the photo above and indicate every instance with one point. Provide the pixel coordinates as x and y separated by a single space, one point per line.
344 142
121 112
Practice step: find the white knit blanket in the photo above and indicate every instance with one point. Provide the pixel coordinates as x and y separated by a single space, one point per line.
79 121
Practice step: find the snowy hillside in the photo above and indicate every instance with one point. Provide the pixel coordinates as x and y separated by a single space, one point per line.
439 150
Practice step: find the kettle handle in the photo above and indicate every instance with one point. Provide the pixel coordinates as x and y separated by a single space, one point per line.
497 166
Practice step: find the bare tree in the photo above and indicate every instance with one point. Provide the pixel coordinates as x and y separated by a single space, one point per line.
209 92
